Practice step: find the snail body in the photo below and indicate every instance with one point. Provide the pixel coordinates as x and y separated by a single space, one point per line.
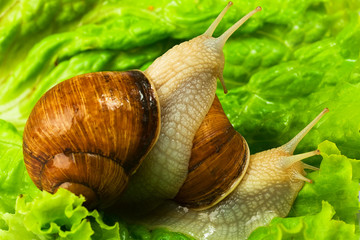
267 190
198 63
79 137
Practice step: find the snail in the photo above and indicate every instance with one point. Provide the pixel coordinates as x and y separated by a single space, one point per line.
137 139
268 189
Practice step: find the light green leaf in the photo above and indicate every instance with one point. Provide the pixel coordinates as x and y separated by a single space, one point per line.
55 216
13 177
318 226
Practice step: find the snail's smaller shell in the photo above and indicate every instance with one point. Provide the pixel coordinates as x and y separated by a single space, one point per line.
219 160
90 133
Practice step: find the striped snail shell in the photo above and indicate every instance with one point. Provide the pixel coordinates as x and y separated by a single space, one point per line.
219 160
90 133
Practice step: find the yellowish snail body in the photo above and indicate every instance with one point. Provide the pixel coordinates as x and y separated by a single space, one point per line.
139 141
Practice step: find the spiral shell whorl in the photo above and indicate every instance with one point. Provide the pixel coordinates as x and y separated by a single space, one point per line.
220 155
91 132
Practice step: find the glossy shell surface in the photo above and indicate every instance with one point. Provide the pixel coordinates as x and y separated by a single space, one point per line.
90 133
219 160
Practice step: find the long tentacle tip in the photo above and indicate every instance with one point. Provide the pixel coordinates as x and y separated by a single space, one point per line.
224 37
209 32
300 177
222 81
291 145
310 167
288 161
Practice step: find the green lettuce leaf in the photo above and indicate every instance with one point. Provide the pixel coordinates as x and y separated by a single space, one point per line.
55 216
334 183
320 226
13 177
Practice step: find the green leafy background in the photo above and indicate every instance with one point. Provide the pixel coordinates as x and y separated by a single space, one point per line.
282 68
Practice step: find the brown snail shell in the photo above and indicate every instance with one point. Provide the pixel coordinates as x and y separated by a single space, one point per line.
90 133
219 160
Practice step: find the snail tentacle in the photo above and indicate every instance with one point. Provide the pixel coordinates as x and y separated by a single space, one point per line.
288 161
307 166
300 177
290 146
210 31
225 36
